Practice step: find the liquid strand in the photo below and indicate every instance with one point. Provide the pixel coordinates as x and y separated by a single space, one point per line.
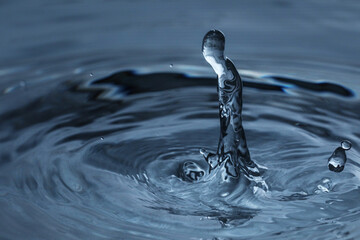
232 156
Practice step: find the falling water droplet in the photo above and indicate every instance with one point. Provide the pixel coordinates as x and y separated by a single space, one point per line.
91 74
337 160
171 65
101 138
346 144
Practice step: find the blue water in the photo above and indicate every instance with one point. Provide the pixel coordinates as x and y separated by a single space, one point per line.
102 103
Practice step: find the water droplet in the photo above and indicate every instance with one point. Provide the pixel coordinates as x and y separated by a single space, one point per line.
91 74
337 160
346 144
101 138
171 65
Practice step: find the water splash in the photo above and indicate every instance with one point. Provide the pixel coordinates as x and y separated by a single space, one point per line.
232 157
337 160
191 171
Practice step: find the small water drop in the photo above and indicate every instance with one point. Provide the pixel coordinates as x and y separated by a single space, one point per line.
91 74
346 144
337 160
171 65
101 138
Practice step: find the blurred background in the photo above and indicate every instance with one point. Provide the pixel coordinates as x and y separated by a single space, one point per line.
140 32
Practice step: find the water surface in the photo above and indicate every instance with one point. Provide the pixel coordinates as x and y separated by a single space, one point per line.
95 124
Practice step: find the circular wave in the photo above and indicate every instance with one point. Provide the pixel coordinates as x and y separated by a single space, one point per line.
103 158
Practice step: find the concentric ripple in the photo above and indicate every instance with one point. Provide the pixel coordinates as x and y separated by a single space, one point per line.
101 158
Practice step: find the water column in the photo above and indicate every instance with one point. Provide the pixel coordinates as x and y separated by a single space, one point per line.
232 156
